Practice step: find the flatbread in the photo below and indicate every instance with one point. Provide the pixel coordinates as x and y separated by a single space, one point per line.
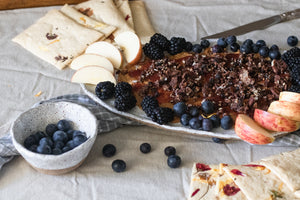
287 167
106 11
57 39
258 182
142 24
203 182
124 8
87 21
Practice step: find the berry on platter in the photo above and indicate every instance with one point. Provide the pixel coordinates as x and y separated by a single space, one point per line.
226 122
292 40
109 150
218 140
174 161
180 108
195 123
170 150
118 165
184 119
145 148
207 106
105 90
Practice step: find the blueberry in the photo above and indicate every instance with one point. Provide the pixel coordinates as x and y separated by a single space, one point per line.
292 40
44 149
248 42
118 165
56 151
180 108
184 119
195 123
274 47
109 150
218 140
60 135
264 51
207 106
70 144
174 161
70 134
145 148
205 44
169 150
29 141
66 148
234 47
254 48
207 124
226 122
274 54
217 49
59 144
46 141
215 121
33 148
79 139
231 39
50 129
222 42
64 125
245 49
188 46
260 43
197 48
76 133
200 117
39 135
194 111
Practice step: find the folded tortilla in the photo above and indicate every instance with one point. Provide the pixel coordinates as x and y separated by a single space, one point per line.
142 23
107 12
87 21
57 39
124 8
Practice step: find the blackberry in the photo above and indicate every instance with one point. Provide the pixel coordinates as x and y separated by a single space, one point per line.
148 104
123 89
205 44
188 46
153 51
177 45
295 88
125 103
105 90
160 41
293 52
162 115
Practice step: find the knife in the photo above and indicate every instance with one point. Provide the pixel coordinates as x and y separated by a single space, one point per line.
258 25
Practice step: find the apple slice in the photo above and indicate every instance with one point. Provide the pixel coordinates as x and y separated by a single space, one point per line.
290 97
131 45
275 122
286 109
248 130
92 75
107 50
91 59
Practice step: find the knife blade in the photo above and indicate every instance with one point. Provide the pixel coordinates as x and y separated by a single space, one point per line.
257 25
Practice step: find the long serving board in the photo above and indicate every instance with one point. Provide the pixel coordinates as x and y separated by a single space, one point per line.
138 115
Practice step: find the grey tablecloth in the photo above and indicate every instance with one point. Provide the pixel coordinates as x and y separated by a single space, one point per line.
23 75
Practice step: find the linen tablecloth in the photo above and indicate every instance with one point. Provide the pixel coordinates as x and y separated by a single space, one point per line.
147 176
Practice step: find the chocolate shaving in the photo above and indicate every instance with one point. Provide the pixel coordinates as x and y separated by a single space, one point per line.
87 12
51 36
61 58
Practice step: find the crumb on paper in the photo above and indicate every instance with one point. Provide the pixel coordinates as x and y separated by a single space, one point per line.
38 94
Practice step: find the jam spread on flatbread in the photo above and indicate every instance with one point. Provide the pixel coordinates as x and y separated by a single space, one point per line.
236 83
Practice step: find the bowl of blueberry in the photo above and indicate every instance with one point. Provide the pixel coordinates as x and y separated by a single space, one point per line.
55 137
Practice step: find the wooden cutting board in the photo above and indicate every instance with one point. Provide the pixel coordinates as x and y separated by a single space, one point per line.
12 4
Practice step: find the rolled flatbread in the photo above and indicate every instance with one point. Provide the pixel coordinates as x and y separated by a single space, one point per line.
124 8
287 167
258 182
106 11
87 21
142 24
57 39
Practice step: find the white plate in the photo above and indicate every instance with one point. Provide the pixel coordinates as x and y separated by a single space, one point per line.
138 115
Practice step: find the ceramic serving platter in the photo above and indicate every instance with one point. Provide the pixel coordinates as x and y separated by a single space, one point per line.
138 115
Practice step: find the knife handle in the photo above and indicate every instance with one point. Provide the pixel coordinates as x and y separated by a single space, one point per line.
290 15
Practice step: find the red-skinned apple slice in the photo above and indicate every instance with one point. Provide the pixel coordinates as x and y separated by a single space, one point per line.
275 122
248 130
92 75
91 59
286 109
107 50
131 45
290 97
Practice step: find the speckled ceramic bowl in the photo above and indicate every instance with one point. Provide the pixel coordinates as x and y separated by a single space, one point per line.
36 119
